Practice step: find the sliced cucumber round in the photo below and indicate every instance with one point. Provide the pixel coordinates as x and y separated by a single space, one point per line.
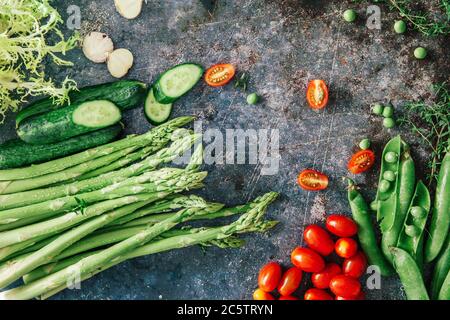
96 114
156 112
176 82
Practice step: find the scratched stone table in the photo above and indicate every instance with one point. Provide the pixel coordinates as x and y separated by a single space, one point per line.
282 44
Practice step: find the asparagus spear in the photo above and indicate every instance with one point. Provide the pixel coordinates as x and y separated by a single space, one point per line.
166 155
135 246
156 134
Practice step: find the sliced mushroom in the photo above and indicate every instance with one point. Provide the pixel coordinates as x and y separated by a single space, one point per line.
129 9
97 46
119 62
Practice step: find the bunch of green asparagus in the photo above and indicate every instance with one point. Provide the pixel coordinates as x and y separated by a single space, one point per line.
74 217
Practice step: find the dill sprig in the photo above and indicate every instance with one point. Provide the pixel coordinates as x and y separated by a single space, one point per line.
431 122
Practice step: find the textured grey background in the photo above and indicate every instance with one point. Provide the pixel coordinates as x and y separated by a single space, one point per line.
283 44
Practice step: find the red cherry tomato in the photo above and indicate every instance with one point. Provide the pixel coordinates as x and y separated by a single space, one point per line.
317 294
269 276
341 226
355 266
346 247
307 260
288 298
361 296
361 161
317 94
219 74
318 239
290 281
345 286
321 280
312 180
262 295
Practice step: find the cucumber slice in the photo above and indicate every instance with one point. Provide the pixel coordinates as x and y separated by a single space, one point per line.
96 114
156 112
176 82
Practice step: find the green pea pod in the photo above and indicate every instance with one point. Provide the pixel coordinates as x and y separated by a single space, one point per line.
411 236
444 293
387 191
405 191
440 220
366 232
441 269
410 275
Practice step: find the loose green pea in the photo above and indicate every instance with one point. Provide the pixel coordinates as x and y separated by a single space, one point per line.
391 157
412 231
388 123
252 98
420 53
389 176
374 205
400 26
388 112
378 109
364 144
349 15
418 212
384 186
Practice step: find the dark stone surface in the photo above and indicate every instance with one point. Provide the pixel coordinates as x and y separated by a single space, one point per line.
283 44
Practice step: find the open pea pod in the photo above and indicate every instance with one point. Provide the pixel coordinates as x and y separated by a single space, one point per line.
411 236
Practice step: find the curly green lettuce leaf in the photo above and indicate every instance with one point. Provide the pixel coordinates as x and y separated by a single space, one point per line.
25 29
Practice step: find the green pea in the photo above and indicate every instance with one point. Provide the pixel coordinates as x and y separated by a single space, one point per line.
412 231
252 98
374 205
418 212
389 175
364 144
400 26
378 109
384 186
349 15
420 53
388 112
391 157
388 123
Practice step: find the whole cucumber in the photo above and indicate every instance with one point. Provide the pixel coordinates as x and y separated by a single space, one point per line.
16 153
125 94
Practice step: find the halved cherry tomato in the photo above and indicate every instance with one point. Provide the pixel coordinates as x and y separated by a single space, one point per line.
355 266
290 281
269 276
361 296
219 74
317 294
361 161
346 247
307 260
288 298
321 280
341 226
317 94
318 239
262 295
312 180
345 286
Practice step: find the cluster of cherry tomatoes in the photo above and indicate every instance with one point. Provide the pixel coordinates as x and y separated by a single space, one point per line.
330 281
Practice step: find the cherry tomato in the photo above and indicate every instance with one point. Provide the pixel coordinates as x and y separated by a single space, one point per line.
321 280
219 74
355 266
361 161
307 260
288 298
361 296
262 295
341 226
318 239
290 281
346 247
345 286
269 276
317 294
317 94
312 180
